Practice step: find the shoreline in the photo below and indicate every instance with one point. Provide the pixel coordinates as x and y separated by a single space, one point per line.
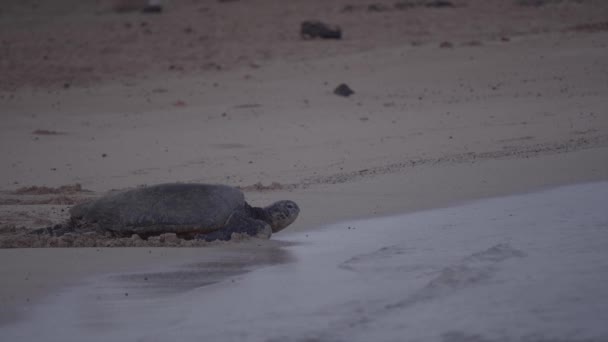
19 298
385 269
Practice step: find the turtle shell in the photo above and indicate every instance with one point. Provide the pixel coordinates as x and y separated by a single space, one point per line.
164 208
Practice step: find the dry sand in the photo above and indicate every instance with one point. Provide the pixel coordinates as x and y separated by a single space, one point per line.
226 92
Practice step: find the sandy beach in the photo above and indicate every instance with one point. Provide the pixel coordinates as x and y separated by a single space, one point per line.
451 104
517 268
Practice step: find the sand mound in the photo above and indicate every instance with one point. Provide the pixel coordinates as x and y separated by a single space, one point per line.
44 190
34 195
21 237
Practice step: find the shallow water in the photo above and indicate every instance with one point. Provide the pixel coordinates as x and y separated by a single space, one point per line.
520 268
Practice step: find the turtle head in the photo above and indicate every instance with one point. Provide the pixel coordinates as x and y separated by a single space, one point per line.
282 214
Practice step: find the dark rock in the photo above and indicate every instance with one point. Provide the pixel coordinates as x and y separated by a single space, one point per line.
152 9
409 4
539 3
404 5
446 45
591 27
439 3
126 6
473 43
377 8
343 90
311 29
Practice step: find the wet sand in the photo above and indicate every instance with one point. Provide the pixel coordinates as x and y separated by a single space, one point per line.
32 276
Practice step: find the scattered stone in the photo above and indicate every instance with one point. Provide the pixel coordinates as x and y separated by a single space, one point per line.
248 105
377 8
43 190
312 29
47 132
439 4
473 43
410 4
152 9
537 3
593 27
446 45
405 5
211 66
124 6
261 187
343 90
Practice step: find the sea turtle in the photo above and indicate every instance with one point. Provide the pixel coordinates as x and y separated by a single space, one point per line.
201 211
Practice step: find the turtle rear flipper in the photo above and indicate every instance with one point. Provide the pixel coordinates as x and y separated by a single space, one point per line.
240 224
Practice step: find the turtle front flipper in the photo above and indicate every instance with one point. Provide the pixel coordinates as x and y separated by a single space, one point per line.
240 224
